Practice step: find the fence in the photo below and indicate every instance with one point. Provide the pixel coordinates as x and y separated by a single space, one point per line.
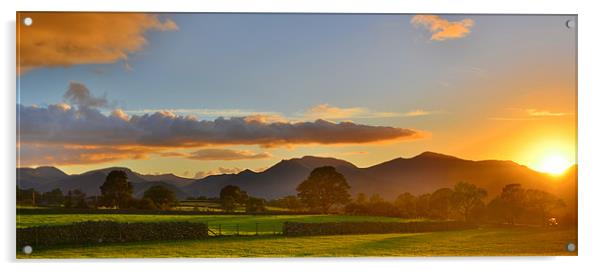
244 229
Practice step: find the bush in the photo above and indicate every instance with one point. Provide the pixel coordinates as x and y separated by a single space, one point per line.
161 197
340 228
255 205
92 232
145 204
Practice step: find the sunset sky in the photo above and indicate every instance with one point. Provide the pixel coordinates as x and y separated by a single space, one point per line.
199 94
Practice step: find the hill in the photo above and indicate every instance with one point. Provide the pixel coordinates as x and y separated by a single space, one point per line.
423 173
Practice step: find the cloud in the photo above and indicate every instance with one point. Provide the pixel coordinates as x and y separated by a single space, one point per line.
220 170
511 118
544 113
442 29
82 125
42 154
202 112
520 114
89 132
329 112
66 39
78 94
418 113
218 154
226 155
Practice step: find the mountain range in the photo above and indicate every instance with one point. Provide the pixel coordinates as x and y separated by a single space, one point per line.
423 173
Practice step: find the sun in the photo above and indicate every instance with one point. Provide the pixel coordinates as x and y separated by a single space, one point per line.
554 164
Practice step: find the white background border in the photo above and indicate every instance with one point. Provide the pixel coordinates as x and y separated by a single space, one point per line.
590 125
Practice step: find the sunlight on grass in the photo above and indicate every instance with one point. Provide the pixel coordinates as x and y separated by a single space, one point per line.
527 241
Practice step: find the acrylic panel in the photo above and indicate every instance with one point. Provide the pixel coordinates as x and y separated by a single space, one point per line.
146 135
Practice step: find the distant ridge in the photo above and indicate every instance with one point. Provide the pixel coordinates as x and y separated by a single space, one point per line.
434 155
420 174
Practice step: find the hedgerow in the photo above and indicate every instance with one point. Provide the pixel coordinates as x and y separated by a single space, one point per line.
339 228
94 232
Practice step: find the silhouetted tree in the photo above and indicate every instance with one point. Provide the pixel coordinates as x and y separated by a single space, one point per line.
116 191
255 205
497 210
75 199
361 198
288 202
376 205
162 197
466 197
513 202
375 199
69 200
145 204
440 203
382 208
542 203
323 188
422 205
406 205
357 209
228 203
27 196
53 198
230 196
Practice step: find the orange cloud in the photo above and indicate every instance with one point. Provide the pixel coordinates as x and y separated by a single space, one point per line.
66 39
530 114
100 137
42 154
261 118
218 171
218 154
57 124
544 113
418 113
327 111
442 29
226 155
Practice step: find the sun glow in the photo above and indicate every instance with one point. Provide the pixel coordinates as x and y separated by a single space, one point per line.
554 164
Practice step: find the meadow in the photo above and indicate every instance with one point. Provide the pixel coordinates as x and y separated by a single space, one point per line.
524 241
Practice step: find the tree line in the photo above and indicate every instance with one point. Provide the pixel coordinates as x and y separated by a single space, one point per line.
115 192
325 191
325 188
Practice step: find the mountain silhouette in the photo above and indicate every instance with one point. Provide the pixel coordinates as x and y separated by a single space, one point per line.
31 177
423 173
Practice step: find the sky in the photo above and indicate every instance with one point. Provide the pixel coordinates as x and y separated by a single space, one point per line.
200 94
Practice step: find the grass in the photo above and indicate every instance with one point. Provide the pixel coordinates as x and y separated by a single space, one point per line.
247 223
485 242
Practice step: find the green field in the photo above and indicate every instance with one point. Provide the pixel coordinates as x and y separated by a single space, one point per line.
248 224
484 241
490 242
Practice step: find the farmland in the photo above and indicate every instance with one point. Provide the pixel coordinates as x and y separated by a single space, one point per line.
486 240
247 223
524 241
